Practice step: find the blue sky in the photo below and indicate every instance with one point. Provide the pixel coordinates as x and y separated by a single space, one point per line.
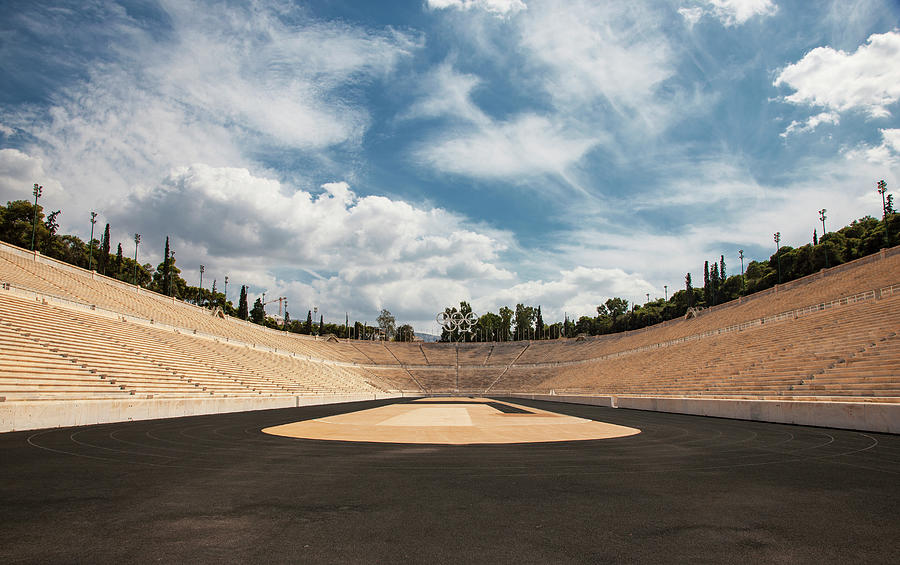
357 155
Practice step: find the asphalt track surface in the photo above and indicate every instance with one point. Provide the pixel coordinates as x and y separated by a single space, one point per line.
213 489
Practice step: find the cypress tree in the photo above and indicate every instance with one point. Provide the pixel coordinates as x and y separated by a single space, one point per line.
706 290
103 260
714 284
538 324
166 279
308 329
119 261
321 323
242 304
690 290
815 237
722 269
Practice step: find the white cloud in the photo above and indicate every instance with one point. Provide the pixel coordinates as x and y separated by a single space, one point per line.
729 12
585 51
737 12
887 154
497 7
574 292
220 87
373 248
447 93
18 174
691 15
527 145
6 130
867 80
812 123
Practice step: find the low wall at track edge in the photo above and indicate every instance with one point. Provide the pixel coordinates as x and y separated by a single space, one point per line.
33 415
865 416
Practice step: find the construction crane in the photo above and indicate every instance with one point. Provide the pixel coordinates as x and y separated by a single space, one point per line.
279 300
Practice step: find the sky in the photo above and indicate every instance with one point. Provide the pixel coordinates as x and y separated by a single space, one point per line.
356 155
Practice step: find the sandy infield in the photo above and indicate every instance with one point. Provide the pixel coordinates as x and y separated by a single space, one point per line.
452 421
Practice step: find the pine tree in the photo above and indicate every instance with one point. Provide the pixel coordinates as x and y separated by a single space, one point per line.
242 304
258 314
103 260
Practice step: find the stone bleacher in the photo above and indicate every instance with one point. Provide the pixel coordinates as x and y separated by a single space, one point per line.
69 333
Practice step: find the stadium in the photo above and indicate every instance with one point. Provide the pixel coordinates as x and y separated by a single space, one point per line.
162 430
556 281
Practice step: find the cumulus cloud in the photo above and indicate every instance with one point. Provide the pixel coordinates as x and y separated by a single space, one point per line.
867 80
574 292
375 248
220 87
19 172
497 7
812 123
886 154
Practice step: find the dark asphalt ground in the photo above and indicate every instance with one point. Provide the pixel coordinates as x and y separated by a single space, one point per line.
213 489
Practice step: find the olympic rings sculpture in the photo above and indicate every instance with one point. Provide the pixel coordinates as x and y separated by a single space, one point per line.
456 321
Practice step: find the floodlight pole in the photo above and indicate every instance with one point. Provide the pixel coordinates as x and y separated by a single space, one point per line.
91 254
137 241
37 194
777 254
200 294
881 187
741 255
822 217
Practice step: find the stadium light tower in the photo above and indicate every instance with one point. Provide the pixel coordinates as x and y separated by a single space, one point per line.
822 217
225 292
741 255
91 259
170 269
777 254
200 294
137 241
666 289
37 194
881 187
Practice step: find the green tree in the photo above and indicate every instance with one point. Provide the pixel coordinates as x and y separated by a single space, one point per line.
243 312
524 319
308 330
103 259
506 317
119 259
405 333
538 324
689 290
258 313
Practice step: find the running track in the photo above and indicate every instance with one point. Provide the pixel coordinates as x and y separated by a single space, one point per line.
212 489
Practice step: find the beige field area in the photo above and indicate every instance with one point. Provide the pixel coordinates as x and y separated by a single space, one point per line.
451 421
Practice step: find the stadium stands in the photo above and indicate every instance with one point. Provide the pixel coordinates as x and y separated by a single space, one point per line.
66 333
